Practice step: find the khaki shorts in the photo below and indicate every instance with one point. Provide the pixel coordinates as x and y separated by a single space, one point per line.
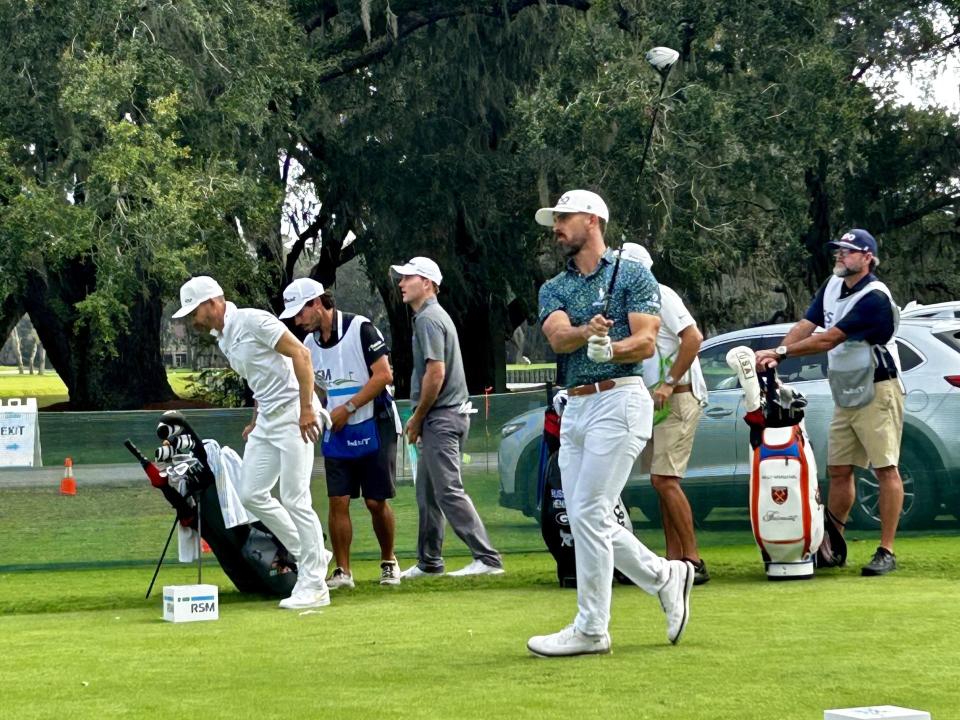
672 439
869 435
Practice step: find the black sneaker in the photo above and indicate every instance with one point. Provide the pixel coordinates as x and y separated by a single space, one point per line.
883 562
700 574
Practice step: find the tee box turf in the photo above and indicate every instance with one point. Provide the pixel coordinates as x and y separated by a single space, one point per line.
190 603
876 712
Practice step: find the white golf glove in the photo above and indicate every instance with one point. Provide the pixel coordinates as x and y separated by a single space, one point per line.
323 420
600 348
560 402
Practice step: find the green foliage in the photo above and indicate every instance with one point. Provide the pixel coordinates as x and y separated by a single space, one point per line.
220 387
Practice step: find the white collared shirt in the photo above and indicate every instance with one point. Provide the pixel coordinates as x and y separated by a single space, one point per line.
249 341
674 319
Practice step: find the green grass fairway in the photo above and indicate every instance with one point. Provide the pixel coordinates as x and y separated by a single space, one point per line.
84 644
79 640
49 388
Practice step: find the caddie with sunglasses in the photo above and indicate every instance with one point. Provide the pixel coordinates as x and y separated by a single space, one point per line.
860 320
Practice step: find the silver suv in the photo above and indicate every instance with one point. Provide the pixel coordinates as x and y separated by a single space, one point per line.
718 472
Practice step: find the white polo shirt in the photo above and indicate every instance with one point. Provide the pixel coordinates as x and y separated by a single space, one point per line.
248 341
674 319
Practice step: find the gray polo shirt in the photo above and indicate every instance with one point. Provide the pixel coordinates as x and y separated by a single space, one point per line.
435 338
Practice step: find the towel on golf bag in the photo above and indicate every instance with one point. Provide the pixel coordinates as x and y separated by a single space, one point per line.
224 463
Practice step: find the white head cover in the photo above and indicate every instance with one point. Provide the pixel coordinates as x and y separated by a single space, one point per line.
743 361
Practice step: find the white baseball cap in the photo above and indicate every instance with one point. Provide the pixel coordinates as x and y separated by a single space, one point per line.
423 266
637 253
195 291
574 201
297 294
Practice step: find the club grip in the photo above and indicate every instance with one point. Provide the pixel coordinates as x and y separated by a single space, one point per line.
136 452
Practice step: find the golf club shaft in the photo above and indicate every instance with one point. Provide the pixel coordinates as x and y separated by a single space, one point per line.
643 164
162 556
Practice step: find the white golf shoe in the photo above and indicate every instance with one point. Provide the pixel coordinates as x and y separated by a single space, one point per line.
414 573
477 567
390 572
303 598
675 597
569 641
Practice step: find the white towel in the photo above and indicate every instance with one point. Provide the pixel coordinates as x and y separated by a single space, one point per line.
225 465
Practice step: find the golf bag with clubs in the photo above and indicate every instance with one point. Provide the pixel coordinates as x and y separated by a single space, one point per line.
786 514
554 523
249 554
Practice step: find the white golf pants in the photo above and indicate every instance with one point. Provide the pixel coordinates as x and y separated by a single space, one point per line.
275 450
600 438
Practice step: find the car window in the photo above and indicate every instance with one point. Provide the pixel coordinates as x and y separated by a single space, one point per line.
909 358
797 369
713 362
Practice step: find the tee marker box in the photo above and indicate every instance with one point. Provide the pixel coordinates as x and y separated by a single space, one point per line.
876 712
191 603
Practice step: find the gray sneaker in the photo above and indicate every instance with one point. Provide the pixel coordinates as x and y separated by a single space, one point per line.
883 562
389 572
675 598
340 579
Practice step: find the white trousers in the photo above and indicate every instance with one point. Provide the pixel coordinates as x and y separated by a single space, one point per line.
275 450
600 438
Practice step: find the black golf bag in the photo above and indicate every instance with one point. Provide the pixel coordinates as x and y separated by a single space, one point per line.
250 555
554 523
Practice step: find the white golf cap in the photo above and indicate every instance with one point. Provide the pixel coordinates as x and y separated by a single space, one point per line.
195 291
574 201
422 266
297 294
636 253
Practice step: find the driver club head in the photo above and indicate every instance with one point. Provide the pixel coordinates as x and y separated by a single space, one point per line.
662 59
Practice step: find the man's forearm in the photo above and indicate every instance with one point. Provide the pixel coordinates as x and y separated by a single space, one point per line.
429 392
686 354
569 339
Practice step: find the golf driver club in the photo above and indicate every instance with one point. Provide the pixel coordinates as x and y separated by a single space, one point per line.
662 59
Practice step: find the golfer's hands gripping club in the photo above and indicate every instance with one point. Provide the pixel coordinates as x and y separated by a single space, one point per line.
599 344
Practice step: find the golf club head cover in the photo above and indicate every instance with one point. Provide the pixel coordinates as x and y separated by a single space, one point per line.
743 361
172 424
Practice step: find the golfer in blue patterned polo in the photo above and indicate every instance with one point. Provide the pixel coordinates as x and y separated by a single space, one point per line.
607 421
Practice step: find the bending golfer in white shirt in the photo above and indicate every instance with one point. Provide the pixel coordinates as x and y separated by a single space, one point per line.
285 425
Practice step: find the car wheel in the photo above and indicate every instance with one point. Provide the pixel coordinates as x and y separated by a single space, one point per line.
919 495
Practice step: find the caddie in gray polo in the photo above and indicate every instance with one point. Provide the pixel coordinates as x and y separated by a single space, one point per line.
287 421
439 426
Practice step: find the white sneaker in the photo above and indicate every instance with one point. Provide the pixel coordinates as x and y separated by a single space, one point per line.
477 567
569 641
412 573
390 572
675 597
303 598
340 579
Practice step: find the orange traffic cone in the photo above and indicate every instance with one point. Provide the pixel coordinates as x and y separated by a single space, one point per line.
68 486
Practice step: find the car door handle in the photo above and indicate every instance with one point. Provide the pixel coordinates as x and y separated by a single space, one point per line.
718 412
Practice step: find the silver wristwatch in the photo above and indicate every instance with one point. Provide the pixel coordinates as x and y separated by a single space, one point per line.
351 408
670 380
781 352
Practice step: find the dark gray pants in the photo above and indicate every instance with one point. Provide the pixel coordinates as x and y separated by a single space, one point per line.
440 492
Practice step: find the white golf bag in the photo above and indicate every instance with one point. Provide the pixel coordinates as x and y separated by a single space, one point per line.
785 509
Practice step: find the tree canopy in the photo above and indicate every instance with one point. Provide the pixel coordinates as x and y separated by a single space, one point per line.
142 143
